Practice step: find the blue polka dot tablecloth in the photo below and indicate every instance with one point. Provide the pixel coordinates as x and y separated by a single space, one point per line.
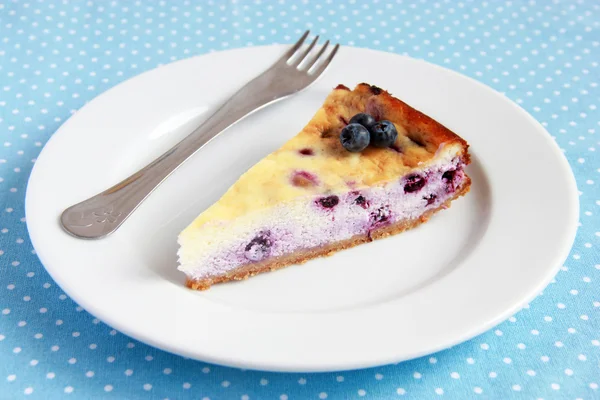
57 55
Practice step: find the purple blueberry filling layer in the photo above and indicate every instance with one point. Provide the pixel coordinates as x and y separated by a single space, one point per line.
325 219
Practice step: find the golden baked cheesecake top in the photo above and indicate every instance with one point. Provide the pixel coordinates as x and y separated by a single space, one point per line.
314 162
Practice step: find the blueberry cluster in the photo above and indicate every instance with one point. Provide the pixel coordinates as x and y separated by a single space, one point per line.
363 130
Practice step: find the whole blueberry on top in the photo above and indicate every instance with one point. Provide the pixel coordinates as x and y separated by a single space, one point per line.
355 137
383 134
363 119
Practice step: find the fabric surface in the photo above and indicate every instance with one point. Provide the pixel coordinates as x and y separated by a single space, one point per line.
57 55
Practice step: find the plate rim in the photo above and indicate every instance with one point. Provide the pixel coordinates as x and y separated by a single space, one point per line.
562 254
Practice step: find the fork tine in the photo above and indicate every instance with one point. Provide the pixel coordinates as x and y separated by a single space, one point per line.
307 51
314 60
294 48
319 70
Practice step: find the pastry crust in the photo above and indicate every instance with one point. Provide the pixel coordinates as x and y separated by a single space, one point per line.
305 255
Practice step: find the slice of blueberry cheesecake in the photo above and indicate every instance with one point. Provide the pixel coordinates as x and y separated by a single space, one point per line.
366 166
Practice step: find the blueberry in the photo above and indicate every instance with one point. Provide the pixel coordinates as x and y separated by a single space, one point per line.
355 137
361 201
430 199
329 202
380 216
259 247
383 134
413 183
448 177
363 119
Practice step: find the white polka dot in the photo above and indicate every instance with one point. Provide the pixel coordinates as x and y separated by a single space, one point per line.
89 374
322 395
147 386
225 384
455 375
531 372
439 391
28 390
108 388
478 390
417 375
68 389
516 388
568 372
362 392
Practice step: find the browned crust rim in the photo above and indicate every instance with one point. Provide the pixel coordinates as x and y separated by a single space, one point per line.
301 257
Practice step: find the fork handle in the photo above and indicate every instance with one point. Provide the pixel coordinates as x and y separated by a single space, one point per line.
103 213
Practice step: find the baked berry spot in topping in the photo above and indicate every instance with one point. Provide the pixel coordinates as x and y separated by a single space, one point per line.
304 179
361 201
375 90
327 132
413 183
329 202
259 248
306 152
430 199
380 216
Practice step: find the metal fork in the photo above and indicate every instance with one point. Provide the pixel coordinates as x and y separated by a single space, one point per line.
102 214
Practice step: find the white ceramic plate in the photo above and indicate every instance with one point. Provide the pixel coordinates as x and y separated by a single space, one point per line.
466 270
